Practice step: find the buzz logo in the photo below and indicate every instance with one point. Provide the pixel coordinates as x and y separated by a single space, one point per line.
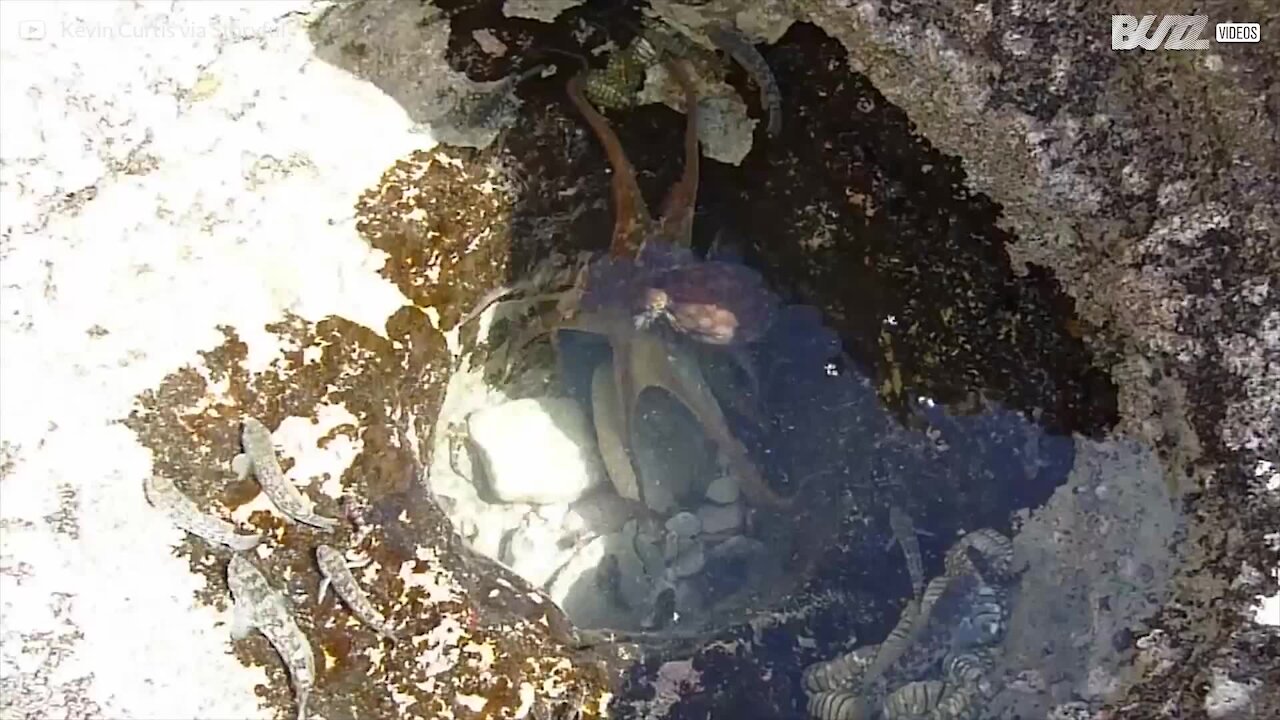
1175 32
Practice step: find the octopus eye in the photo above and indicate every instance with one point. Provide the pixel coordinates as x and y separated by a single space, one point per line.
656 299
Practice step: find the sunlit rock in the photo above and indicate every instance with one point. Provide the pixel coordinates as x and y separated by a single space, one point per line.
531 549
536 450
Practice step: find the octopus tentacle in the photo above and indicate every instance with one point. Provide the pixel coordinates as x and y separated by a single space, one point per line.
632 221
676 223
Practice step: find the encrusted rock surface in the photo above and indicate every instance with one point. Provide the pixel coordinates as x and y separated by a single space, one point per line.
1015 210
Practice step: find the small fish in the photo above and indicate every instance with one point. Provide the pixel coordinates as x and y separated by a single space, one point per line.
913 700
259 457
258 605
837 705
739 47
337 572
904 531
840 673
182 512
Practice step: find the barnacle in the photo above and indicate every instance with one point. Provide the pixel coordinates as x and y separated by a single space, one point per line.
618 84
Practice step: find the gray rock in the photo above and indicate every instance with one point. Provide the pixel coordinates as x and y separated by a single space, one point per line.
575 587
650 554
724 490
690 562
735 548
536 450
603 511
717 519
673 458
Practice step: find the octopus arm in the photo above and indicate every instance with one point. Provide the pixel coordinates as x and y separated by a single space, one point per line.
651 361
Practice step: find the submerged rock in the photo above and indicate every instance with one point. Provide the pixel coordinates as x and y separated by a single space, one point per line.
672 454
536 450
717 519
724 490
684 524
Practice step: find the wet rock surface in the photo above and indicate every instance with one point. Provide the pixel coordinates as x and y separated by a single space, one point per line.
992 273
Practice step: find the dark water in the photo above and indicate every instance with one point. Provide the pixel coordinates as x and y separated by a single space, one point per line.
910 364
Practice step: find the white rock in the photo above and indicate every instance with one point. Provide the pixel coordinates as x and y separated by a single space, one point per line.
553 514
720 518
493 523
724 490
532 550
536 450
580 568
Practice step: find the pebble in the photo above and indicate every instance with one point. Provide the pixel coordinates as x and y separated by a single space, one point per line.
684 524
650 555
690 562
603 511
724 490
716 519
536 450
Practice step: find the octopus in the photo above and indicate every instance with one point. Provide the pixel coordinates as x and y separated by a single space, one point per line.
655 304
